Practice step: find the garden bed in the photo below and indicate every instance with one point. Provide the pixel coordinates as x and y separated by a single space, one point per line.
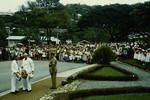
83 94
132 96
109 73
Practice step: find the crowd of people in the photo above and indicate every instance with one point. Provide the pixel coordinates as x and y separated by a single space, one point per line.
67 53
80 52
132 51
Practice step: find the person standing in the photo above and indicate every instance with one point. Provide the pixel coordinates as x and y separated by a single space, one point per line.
28 67
53 69
15 75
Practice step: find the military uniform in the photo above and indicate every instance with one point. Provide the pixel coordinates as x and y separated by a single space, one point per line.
53 71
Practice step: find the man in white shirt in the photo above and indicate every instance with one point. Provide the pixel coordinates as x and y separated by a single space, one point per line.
28 66
15 75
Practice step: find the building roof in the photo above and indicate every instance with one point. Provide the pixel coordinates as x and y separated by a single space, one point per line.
15 37
6 13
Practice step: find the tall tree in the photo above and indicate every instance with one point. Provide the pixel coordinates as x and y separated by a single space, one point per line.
44 14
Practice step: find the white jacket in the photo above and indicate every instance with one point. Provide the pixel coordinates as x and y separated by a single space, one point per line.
28 65
14 67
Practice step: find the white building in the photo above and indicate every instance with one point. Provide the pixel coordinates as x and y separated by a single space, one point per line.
6 13
13 40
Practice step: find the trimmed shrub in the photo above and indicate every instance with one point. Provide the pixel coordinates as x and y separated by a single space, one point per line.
103 55
107 91
129 76
80 94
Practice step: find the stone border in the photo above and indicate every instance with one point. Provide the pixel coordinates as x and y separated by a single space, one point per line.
61 90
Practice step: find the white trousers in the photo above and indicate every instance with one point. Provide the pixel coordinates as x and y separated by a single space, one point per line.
14 83
27 84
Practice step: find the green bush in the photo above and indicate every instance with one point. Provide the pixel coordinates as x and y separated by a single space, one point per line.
103 55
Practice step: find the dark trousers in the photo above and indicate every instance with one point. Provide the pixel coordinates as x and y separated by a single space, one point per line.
53 72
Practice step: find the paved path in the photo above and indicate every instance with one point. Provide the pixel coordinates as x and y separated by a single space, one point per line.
41 71
144 79
74 72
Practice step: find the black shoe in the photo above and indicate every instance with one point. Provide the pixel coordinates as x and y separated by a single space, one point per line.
29 90
24 90
53 88
13 92
17 91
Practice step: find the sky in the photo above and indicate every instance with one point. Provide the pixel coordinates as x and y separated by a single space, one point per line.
13 5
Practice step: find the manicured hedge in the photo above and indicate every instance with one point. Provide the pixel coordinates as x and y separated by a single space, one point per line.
87 75
136 63
108 91
72 78
100 92
129 76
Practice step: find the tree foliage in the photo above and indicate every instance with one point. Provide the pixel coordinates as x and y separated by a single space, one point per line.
46 14
93 23
118 20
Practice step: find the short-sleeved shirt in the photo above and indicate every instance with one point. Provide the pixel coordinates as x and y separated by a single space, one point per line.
53 62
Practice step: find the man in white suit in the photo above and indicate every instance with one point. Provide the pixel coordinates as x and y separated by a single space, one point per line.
28 66
15 75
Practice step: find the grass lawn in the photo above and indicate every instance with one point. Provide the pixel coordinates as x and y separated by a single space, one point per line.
107 71
142 96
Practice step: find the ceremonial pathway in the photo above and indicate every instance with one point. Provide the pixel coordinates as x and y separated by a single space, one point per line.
144 79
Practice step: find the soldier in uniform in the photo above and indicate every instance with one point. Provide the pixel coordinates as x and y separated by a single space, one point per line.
53 69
